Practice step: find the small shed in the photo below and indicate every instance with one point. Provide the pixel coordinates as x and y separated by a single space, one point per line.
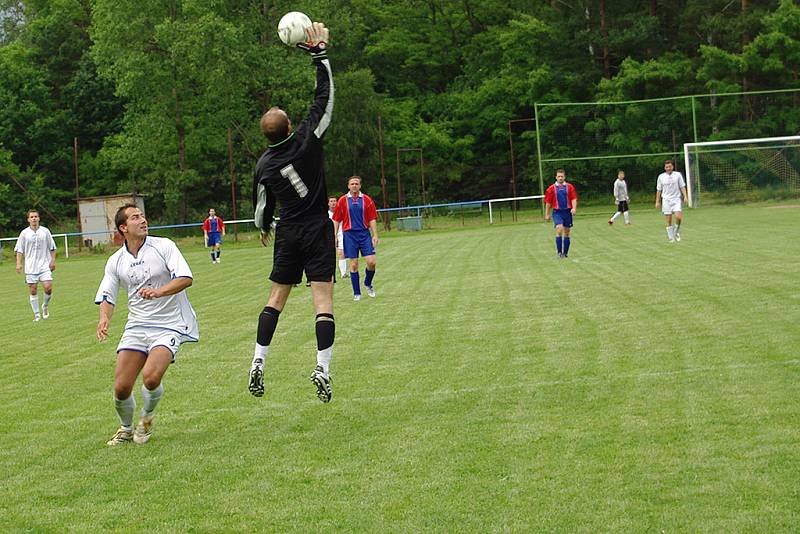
97 217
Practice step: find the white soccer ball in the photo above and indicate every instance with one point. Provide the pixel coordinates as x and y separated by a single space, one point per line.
292 27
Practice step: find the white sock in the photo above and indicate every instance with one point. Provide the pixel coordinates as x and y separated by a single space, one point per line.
627 218
47 298
670 232
35 304
150 398
260 353
324 358
125 409
614 217
342 267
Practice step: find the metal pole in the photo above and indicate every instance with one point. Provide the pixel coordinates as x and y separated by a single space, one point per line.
422 174
233 184
399 190
77 190
386 217
539 152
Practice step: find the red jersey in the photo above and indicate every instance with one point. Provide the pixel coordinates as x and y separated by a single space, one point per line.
560 197
213 226
342 211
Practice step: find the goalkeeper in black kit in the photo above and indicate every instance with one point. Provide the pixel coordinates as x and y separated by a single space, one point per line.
291 171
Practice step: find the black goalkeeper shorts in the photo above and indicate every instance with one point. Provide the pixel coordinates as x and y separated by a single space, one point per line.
304 246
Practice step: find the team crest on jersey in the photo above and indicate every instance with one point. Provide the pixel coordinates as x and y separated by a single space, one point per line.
139 276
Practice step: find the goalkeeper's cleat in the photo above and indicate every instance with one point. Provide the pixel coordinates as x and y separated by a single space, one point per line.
323 383
256 386
122 436
143 431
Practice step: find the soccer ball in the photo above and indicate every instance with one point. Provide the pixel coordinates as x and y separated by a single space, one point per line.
292 27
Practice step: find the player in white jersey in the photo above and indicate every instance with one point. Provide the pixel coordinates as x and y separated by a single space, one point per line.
36 244
620 198
670 190
339 240
154 273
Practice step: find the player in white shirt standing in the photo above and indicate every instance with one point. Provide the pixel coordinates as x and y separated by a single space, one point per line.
154 273
339 240
36 244
620 198
670 190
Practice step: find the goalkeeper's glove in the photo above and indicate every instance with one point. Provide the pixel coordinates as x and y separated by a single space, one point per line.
316 44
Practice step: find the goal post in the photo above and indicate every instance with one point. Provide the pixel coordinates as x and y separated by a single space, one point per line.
738 165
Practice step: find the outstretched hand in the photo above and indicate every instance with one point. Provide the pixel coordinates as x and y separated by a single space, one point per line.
317 38
265 236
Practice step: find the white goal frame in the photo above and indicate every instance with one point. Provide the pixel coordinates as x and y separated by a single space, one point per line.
687 147
507 199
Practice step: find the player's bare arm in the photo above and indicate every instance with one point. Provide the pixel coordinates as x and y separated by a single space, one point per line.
19 263
106 311
574 206
373 228
547 212
176 285
52 260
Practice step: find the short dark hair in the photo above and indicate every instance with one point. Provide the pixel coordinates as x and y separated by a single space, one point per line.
121 217
356 177
562 171
670 161
32 210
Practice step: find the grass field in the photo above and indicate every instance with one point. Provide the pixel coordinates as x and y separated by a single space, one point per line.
491 387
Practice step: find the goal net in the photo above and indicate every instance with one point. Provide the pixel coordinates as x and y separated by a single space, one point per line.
729 169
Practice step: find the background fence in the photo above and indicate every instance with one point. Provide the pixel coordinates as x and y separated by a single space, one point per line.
592 140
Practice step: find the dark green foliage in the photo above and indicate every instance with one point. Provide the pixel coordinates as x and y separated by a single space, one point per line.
151 89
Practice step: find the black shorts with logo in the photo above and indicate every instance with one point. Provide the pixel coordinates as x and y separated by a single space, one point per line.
304 246
623 205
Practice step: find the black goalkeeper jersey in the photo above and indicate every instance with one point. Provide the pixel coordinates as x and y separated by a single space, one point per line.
292 171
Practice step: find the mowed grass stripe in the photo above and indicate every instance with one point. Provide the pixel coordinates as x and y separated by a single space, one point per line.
489 387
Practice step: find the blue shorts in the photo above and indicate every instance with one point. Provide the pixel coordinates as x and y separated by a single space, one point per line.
214 238
355 240
562 217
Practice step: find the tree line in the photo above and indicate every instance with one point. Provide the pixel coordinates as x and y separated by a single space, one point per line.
163 96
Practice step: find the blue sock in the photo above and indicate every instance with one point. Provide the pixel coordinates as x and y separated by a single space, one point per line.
566 246
356 284
558 244
368 277
212 256
218 253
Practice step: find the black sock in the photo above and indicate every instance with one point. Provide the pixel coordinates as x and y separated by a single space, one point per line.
326 330
267 322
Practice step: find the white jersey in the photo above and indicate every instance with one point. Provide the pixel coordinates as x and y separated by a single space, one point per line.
157 262
670 185
620 190
339 233
36 247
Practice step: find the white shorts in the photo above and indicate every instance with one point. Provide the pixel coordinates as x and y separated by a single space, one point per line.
46 276
144 340
340 240
670 205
